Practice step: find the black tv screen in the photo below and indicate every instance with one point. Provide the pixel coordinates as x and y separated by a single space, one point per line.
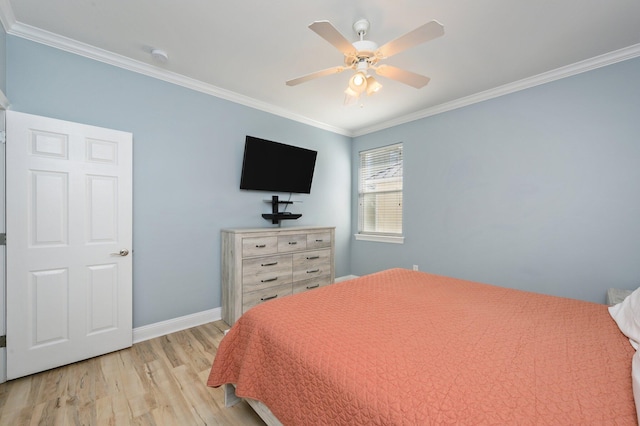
274 166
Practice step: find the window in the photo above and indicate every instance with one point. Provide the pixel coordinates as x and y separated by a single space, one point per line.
380 194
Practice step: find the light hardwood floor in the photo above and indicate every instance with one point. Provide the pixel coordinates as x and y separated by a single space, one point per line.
157 382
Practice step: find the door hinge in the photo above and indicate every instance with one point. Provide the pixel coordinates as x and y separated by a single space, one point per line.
3 239
3 341
3 136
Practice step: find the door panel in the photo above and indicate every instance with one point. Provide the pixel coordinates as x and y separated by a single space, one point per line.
48 208
69 208
49 291
103 298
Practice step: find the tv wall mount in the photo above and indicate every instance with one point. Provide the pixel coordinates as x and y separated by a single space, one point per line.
276 216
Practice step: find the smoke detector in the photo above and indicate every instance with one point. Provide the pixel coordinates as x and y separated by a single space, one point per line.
159 55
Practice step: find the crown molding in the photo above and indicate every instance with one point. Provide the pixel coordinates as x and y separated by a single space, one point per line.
547 77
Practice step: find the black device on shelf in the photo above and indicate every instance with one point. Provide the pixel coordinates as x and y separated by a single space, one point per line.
276 167
276 216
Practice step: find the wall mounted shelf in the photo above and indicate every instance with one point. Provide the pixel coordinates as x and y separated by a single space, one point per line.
276 216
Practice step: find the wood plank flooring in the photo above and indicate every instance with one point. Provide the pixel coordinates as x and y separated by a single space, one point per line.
157 382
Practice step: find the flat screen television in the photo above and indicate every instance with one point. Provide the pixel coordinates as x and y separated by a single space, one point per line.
276 167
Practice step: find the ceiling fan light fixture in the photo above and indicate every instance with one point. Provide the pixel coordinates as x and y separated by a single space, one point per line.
358 82
373 86
350 92
350 97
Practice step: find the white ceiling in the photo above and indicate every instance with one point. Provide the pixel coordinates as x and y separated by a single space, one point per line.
246 50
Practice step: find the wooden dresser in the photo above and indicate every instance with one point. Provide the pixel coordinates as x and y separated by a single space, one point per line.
265 263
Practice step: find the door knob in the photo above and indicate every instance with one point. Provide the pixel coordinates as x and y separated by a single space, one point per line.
122 252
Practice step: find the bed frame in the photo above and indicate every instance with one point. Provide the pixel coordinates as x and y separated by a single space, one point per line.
231 399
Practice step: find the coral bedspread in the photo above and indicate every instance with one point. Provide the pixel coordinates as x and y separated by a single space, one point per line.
403 347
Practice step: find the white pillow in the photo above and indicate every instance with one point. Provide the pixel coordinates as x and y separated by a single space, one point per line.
627 315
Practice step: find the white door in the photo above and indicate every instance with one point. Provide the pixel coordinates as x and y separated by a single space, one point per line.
69 235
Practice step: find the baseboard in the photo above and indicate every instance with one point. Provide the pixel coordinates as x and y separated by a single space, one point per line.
146 332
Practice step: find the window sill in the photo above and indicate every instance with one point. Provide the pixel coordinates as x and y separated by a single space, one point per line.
380 238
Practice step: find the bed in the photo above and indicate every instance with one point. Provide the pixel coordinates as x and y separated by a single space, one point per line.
400 347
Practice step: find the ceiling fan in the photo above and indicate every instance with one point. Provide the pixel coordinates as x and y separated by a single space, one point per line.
364 55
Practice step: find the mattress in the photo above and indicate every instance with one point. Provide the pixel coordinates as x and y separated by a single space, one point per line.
401 347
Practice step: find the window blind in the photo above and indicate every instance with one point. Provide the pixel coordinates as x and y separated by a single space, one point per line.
380 191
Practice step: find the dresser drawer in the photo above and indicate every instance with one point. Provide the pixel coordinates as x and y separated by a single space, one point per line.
254 298
310 259
289 243
259 246
311 264
300 286
316 271
264 272
319 240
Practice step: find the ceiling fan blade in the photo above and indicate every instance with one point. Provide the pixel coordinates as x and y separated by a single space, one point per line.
328 32
420 35
313 75
403 76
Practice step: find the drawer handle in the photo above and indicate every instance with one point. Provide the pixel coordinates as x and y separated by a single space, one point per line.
262 299
309 287
293 243
268 280
313 271
269 264
319 241
261 245
313 257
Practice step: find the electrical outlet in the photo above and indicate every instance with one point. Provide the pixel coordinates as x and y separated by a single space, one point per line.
415 267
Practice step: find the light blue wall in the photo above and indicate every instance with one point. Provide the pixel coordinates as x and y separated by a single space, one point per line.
538 190
3 59
187 150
